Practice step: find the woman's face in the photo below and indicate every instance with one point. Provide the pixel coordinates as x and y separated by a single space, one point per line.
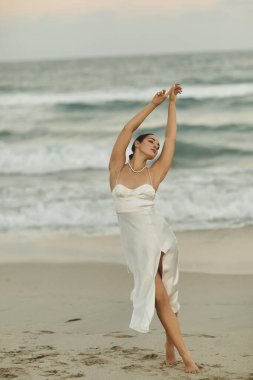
150 146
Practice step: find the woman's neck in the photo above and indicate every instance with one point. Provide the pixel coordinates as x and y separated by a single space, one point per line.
137 165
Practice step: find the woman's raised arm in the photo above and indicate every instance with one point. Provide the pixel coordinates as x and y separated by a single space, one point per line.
161 166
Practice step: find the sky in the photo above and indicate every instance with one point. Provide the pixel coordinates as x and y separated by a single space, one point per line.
52 29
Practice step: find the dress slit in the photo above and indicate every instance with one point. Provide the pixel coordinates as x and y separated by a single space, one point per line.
169 278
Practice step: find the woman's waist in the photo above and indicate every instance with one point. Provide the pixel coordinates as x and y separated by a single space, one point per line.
144 209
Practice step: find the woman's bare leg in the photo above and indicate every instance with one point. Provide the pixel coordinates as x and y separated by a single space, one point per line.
169 345
170 350
171 324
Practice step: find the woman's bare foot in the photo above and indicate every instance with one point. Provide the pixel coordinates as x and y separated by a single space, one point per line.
190 365
170 354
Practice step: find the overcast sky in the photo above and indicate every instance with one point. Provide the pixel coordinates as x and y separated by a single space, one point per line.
35 29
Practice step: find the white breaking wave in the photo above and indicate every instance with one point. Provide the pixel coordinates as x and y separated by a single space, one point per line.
208 199
46 158
123 94
52 158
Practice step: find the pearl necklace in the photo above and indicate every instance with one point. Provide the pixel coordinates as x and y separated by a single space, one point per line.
136 171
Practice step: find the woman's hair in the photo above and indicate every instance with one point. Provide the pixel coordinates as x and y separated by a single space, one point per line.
140 138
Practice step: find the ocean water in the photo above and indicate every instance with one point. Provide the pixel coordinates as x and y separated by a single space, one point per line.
59 120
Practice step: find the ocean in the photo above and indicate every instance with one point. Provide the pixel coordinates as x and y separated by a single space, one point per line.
59 120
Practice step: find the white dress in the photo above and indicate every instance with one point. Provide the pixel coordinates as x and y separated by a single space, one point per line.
144 234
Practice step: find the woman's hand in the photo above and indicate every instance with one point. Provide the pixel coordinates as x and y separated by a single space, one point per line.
173 91
159 97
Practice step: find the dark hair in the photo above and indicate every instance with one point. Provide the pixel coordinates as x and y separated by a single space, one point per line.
140 138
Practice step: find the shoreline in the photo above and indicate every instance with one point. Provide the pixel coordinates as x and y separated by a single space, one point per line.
221 251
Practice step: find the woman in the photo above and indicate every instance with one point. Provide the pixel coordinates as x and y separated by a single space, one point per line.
149 244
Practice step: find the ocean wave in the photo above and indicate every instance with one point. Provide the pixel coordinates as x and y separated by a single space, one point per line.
48 135
94 97
63 133
209 128
53 158
194 155
200 200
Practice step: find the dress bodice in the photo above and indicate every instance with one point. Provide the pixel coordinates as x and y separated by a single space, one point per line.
141 199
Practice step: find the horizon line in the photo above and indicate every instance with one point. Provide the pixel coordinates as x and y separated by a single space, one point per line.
122 55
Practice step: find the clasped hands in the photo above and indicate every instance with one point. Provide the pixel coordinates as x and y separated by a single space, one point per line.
162 95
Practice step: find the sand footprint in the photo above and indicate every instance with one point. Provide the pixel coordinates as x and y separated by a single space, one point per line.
150 356
11 372
73 320
40 356
118 334
45 347
132 367
39 332
91 359
200 335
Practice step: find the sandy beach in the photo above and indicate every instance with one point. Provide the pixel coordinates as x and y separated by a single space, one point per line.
66 315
